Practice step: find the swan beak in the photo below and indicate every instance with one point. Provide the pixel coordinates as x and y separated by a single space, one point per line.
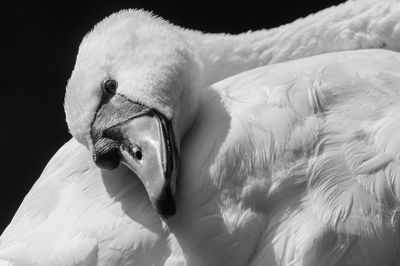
148 152
145 144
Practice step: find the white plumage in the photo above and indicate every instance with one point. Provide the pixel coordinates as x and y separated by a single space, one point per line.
295 163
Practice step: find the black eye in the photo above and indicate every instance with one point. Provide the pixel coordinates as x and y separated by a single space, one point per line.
110 86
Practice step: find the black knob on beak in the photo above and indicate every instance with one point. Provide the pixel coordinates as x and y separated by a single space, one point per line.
106 154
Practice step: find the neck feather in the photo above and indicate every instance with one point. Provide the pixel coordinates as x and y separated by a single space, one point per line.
352 25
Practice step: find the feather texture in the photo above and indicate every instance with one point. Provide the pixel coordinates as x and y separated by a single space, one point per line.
291 164
295 163
77 214
298 162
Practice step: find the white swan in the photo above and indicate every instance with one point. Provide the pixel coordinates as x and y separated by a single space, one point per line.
290 164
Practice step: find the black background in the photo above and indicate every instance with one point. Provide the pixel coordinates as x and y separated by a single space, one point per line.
38 46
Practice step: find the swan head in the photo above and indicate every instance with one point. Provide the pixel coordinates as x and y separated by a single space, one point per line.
131 97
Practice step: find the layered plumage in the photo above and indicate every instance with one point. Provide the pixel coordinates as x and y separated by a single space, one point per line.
294 163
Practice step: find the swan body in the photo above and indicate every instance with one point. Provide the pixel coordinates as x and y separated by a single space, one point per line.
294 163
298 167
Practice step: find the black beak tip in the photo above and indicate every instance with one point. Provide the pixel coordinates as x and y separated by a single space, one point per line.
165 204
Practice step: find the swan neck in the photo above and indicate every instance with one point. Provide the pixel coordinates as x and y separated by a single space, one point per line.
352 25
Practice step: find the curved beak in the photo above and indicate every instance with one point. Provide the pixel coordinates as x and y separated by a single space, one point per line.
143 140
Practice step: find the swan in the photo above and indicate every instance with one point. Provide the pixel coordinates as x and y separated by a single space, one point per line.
182 157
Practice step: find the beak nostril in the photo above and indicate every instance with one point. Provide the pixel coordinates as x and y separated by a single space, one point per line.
139 155
132 149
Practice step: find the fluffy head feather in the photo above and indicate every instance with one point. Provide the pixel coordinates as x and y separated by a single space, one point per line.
148 57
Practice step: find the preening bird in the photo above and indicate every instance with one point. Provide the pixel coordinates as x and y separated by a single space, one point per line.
182 155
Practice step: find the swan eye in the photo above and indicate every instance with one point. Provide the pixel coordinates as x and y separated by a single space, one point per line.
110 86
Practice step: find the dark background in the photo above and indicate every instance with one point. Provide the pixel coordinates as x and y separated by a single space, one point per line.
39 43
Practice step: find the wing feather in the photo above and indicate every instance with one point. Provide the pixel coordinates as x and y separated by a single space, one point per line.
77 214
324 132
